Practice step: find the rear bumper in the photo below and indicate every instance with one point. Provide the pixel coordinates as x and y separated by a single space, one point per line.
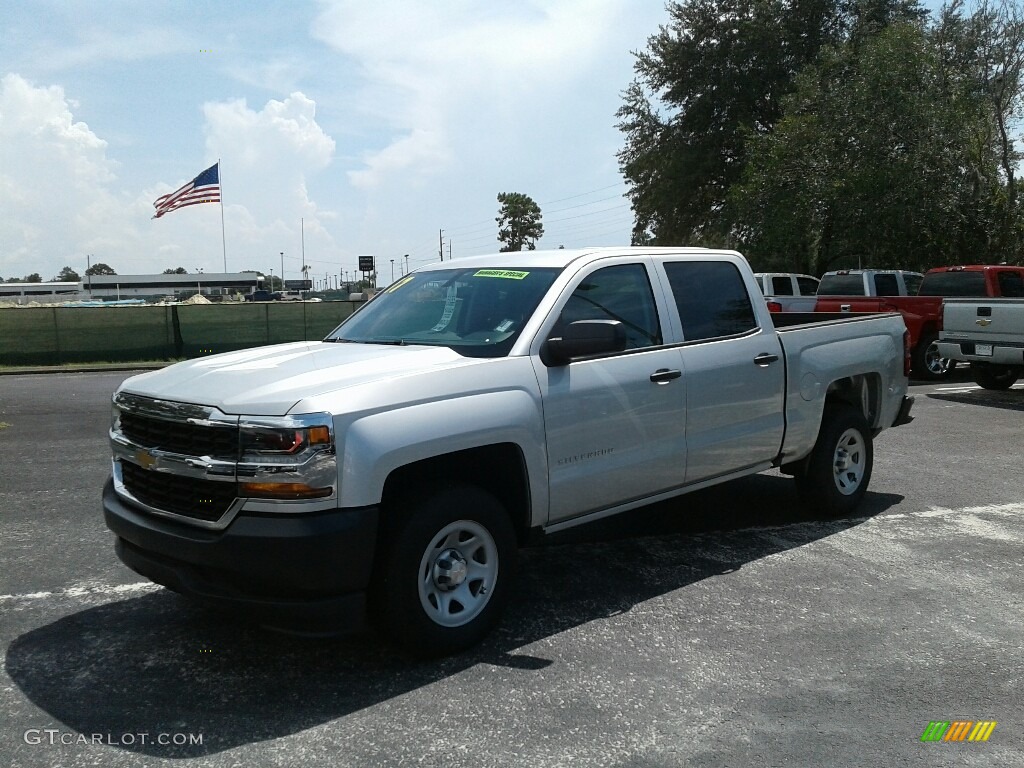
966 351
904 417
300 572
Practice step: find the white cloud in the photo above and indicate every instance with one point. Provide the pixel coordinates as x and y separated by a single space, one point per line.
458 78
54 174
62 196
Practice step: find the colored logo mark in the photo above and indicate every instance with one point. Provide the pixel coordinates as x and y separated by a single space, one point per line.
958 730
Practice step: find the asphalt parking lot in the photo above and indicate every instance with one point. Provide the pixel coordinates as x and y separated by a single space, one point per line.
726 628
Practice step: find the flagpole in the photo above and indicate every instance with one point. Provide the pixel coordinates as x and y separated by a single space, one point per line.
223 237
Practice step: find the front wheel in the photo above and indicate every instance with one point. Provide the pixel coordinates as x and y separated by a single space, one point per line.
838 469
448 571
990 376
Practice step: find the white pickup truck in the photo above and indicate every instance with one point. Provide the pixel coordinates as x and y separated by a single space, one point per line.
393 468
988 333
788 291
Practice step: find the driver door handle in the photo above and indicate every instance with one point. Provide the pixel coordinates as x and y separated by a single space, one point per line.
664 375
764 360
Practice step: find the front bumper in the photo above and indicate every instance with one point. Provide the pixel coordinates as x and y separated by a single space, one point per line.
302 572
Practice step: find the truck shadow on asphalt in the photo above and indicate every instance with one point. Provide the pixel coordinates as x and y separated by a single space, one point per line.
1010 400
157 664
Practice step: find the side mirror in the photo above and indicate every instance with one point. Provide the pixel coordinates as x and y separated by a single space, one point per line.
583 338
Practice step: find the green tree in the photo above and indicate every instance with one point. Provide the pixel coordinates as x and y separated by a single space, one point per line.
875 163
33 278
177 271
519 222
67 275
709 79
99 268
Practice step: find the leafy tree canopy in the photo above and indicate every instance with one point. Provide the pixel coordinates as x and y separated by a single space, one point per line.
67 275
519 222
33 278
99 268
177 271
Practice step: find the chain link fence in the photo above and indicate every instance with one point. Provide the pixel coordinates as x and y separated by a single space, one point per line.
57 335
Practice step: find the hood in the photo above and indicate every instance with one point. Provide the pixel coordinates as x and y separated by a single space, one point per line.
269 381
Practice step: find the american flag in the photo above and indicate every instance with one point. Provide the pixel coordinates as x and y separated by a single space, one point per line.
204 188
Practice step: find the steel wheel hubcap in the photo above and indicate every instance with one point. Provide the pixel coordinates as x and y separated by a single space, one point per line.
850 462
933 362
457 573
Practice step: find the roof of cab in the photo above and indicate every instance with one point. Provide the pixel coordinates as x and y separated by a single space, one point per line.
564 256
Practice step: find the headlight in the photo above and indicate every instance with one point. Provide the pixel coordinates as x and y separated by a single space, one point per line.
291 457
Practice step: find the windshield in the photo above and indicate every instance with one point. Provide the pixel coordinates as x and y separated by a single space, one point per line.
476 312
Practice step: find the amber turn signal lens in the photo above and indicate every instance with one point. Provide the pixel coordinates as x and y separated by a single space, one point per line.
319 435
283 491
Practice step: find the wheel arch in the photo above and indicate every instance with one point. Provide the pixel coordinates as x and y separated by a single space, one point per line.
499 468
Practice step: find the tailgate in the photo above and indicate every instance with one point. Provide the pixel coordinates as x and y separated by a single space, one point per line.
992 321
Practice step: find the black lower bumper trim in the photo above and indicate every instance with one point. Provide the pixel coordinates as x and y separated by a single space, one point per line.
904 417
283 569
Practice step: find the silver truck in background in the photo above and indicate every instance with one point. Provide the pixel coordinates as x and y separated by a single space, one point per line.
394 468
988 334
787 291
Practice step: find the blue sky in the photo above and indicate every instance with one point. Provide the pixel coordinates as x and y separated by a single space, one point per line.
367 126
354 127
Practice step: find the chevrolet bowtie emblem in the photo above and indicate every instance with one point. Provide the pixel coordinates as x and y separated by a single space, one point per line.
145 459
983 321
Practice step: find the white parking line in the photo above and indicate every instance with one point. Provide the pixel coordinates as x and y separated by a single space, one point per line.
86 590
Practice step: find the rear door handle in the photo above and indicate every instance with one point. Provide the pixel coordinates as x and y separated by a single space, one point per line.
764 360
664 375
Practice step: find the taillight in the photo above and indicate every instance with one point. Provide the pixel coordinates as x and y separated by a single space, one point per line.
774 306
906 354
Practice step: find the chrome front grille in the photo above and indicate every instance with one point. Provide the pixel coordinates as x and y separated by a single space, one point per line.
183 437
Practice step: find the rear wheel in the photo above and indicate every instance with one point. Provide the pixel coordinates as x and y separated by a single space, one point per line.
448 572
838 470
926 362
989 376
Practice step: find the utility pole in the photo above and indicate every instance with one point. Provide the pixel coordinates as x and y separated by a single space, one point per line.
440 243
407 263
282 270
88 273
392 270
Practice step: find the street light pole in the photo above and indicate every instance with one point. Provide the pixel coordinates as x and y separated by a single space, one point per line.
282 270
392 270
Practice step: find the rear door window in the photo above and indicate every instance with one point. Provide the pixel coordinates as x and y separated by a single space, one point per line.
712 299
886 285
808 286
782 285
1010 284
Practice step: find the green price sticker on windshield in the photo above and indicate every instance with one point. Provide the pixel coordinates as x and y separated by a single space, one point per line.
508 274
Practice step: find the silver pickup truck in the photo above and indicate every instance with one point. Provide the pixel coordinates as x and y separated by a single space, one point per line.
988 334
394 468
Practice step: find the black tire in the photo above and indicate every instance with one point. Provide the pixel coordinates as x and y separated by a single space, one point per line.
925 362
461 535
989 376
839 467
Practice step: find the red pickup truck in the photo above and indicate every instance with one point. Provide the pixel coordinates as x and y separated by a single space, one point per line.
922 314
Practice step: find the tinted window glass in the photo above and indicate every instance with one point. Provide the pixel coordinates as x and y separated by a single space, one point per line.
887 285
953 284
841 285
711 297
913 283
808 286
620 293
782 286
476 312
1011 284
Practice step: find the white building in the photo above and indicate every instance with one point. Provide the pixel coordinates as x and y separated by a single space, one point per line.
105 287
